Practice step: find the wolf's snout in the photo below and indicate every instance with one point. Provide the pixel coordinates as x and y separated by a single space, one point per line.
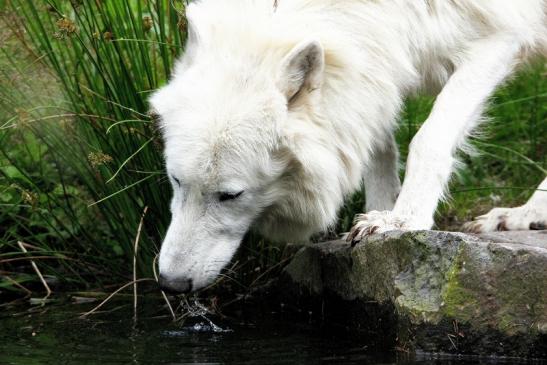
175 285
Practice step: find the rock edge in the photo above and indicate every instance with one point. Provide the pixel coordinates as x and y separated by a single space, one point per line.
430 291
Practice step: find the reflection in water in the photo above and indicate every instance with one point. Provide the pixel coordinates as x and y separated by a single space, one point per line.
56 336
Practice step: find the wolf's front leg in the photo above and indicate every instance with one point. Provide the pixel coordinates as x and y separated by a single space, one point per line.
431 158
532 215
382 184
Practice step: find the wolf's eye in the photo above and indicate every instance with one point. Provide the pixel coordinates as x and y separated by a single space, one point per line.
223 196
175 180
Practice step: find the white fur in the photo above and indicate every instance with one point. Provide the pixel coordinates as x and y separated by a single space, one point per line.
296 105
532 215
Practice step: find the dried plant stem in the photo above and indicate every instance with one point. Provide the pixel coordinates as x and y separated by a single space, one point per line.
35 267
162 292
135 249
114 293
14 282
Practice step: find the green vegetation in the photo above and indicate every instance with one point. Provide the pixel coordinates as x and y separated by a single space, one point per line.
80 158
80 162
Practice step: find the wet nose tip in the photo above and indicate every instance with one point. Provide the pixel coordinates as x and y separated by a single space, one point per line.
175 285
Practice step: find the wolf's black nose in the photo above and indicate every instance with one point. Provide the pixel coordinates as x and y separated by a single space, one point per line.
175 285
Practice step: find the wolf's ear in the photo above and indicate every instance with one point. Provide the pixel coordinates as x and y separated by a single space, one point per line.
301 70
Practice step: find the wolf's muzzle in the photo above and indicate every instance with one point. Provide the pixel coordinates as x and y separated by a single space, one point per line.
176 285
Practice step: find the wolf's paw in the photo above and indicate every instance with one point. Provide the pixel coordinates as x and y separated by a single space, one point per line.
375 222
509 219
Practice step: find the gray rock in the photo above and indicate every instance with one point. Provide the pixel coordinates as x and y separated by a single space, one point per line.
430 291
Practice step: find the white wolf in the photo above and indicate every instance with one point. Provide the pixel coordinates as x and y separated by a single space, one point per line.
280 109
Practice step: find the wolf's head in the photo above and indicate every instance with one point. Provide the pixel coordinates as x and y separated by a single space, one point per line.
227 154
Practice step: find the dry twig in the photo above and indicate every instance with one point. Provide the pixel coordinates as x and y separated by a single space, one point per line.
136 247
14 282
22 245
114 293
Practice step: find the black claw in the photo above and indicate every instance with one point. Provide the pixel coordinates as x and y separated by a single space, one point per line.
353 240
537 226
502 226
352 235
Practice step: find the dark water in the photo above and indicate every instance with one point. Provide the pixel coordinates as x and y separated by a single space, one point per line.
55 335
